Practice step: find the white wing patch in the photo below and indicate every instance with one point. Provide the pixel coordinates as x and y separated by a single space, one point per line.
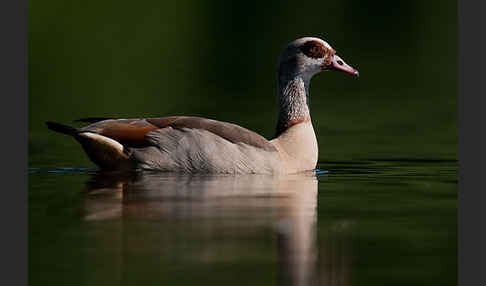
104 141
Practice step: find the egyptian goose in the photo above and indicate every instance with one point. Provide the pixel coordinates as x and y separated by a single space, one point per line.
198 145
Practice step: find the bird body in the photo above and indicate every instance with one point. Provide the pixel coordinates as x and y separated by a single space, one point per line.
199 145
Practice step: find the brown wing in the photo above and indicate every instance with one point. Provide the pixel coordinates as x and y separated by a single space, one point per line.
228 131
129 132
132 132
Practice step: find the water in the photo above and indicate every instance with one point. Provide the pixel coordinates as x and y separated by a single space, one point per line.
363 223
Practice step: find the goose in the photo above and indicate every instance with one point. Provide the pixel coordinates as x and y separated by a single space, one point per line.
186 144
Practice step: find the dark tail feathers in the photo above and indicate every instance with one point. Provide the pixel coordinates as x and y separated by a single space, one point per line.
61 128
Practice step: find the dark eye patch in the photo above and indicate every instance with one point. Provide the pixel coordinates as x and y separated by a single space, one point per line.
314 49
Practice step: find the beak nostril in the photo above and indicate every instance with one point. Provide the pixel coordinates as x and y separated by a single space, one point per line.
340 62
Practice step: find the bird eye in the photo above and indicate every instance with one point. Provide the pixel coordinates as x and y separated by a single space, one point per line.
340 62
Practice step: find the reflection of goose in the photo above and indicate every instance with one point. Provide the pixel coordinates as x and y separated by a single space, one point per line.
193 145
202 220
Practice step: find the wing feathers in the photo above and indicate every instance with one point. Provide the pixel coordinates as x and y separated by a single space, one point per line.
228 131
132 132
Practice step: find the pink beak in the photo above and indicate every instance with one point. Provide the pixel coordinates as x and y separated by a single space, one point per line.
338 64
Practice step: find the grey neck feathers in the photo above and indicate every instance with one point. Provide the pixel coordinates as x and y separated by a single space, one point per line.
293 99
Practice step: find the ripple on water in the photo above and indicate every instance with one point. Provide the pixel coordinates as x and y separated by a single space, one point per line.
62 170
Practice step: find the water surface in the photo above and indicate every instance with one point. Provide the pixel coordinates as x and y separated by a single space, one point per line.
386 222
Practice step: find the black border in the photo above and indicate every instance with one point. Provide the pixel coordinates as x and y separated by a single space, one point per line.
471 142
14 138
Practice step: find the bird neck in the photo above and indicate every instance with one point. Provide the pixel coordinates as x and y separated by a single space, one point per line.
293 100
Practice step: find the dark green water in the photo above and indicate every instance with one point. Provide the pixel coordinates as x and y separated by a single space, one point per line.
385 214
364 223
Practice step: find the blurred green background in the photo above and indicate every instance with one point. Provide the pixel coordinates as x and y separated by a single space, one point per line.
218 59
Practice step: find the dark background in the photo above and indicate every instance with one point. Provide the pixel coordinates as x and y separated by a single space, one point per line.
218 59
